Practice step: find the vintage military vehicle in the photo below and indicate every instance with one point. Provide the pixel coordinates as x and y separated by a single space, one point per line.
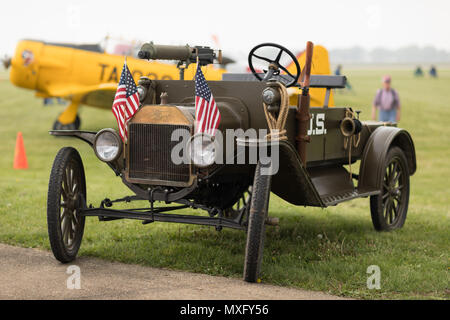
315 149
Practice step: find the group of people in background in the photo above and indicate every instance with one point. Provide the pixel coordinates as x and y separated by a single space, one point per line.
387 100
432 72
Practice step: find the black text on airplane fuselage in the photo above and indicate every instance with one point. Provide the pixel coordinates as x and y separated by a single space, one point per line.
113 75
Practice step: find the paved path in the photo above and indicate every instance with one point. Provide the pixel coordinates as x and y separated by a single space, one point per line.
35 274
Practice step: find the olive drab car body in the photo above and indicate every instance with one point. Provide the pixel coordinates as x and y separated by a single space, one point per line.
315 152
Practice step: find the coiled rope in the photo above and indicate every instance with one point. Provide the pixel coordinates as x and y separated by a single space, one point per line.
277 124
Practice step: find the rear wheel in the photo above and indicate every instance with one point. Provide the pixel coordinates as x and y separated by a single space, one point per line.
390 207
256 225
66 196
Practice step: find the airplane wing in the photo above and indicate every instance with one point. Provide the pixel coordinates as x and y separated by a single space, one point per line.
99 95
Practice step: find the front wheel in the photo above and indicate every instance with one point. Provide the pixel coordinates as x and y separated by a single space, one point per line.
389 208
66 196
256 224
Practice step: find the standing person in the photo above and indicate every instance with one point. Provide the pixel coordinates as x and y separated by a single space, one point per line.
418 72
338 72
387 101
433 72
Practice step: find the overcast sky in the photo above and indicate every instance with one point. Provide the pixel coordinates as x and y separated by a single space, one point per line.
239 25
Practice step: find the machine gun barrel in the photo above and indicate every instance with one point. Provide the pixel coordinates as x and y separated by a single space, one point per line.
165 52
185 53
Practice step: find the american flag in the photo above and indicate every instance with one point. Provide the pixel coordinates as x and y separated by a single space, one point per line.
207 114
126 101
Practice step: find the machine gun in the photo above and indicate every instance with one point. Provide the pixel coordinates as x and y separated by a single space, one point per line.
184 54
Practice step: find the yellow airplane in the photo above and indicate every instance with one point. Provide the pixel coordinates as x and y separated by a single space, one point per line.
85 74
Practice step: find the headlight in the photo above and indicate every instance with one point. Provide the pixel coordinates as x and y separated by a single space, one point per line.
142 92
107 145
202 150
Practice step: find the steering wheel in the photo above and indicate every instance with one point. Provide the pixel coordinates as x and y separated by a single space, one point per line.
274 66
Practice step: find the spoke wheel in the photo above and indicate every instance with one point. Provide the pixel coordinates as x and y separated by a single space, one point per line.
390 207
66 196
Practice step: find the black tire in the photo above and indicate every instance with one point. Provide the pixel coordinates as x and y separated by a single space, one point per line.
70 126
389 208
256 225
66 195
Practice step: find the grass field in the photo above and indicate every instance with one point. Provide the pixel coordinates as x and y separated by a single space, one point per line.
327 250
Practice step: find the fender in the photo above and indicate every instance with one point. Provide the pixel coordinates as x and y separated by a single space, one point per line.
375 151
86 136
89 138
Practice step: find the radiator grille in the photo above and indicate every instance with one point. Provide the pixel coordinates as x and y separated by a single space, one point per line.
149 155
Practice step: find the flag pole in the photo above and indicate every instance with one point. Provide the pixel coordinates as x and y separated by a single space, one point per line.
198 65
195 76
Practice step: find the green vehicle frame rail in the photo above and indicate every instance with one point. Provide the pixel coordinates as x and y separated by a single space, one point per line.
316 148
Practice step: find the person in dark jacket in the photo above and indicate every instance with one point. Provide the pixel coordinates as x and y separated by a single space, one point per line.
418 72
338 72
433 72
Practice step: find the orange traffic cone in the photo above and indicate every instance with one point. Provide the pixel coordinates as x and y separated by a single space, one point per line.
20 158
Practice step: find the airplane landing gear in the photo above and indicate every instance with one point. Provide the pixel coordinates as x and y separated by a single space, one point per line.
69 126
69 119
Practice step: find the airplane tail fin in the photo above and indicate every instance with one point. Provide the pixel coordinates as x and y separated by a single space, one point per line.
320 66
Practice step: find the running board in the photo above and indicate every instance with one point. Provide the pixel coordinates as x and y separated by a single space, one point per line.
334 199
335 186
